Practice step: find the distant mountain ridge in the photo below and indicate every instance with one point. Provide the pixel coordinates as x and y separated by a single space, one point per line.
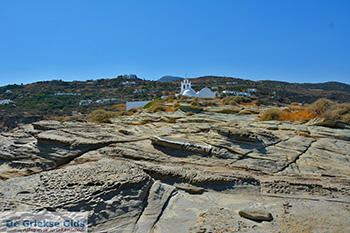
169 78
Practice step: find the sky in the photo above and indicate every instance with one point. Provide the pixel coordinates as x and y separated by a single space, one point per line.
289 40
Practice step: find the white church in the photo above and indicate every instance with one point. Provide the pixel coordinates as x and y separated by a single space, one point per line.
186 90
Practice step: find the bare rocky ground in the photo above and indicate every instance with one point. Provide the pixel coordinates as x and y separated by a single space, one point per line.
142 174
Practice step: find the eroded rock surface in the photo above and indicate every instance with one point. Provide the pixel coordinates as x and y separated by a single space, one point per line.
142 174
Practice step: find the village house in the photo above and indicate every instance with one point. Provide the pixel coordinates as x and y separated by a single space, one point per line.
186 90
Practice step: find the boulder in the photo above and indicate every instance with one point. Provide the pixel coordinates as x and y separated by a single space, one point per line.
256 214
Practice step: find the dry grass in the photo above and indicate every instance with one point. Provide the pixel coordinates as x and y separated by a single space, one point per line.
171 109
286 115
235 100
119 107
297 115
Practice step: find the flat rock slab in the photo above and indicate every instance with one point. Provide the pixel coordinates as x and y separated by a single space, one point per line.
256 214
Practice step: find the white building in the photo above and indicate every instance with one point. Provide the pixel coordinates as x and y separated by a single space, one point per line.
206 93
85 102
186 90
237 93
251 90
59 93
6 101
140 91
128 83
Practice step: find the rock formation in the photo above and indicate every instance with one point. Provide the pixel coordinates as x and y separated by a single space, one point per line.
200 174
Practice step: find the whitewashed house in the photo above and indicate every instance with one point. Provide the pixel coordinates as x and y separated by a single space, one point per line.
186 90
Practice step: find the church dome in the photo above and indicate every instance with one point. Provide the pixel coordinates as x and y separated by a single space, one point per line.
206 93
189 92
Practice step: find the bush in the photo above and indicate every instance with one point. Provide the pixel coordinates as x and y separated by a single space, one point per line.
206 103
158 107
194 104
100 116
176 105
321 106
124 113
189 114
271 114
339 112
170 98
153 102
235 100
294 104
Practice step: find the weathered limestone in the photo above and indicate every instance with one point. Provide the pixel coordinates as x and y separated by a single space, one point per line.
142 174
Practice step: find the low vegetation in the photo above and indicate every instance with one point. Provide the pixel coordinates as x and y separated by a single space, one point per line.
322 108
339 112
100 116
272 115
235 100
156 105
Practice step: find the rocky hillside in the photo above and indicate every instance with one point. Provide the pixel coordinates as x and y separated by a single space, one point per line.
209 172
50 99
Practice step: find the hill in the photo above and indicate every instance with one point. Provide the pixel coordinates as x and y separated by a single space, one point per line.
57 98
169 78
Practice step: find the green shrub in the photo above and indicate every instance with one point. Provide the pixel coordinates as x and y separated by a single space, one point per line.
176 105
189 114
321 106
100 116
271 114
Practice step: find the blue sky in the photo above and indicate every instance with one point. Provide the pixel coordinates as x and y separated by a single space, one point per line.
295 41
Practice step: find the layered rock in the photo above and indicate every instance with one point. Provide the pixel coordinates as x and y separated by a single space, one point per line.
143 174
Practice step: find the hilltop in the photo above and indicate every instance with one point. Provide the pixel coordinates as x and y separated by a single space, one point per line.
57 98
169 78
